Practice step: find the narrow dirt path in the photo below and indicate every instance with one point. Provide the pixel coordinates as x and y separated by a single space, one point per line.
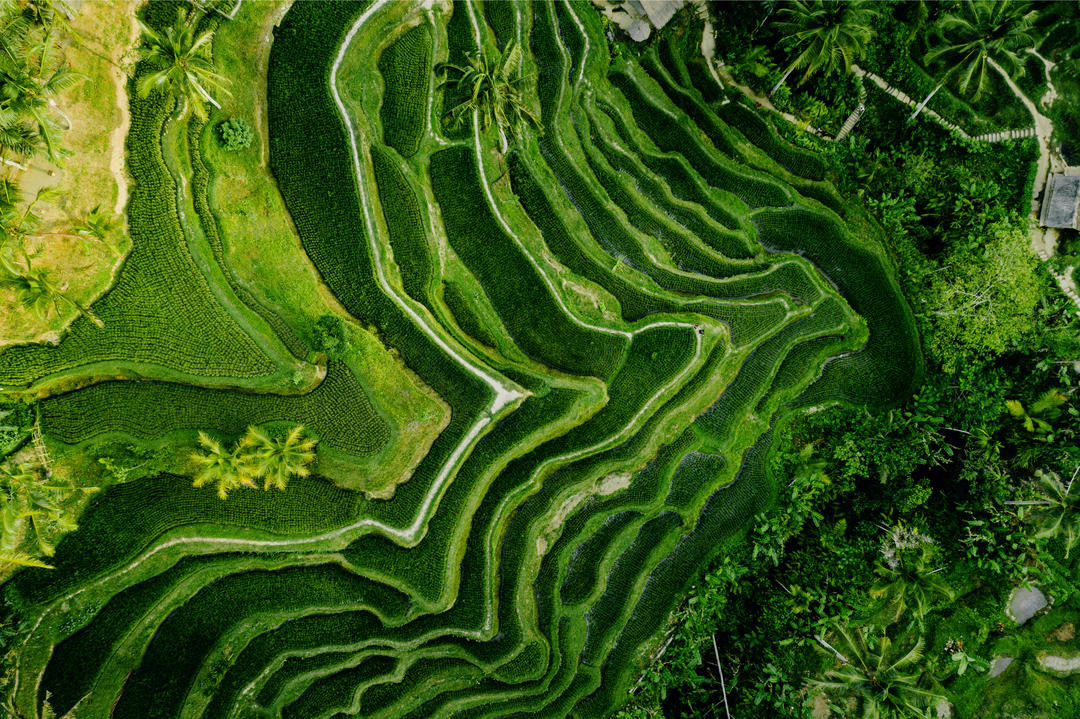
117 156
1043 240
266 40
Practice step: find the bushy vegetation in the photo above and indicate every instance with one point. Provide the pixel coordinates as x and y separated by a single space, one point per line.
681 347
236 134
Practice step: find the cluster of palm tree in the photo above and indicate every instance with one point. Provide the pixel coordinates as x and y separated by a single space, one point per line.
491 85
908 580
258 455
32 74
984 33
883 672
27 498
980 34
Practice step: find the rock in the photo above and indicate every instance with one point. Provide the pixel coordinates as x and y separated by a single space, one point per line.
1060 665
1026 603
999 665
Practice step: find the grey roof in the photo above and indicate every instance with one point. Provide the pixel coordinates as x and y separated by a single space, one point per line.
1060 202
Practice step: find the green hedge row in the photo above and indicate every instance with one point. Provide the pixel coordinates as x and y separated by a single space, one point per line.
406 69
421 567
534 319
583 572
122 521
408 236
160 685
549 209
758 131
200 181
890 366
671 132
310 157
757 370
337 411
656 191
698 471
75 662
683 181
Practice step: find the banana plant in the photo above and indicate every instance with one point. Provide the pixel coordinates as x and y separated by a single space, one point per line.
491 83
1038 417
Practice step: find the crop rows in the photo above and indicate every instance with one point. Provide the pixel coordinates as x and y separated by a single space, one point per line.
541 542
161 317
406 70
337 412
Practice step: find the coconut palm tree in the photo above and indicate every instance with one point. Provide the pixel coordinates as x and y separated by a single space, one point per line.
25 495
49 13
881 676
909 581
102 226
826 34
984 33
1056 512
35 290
216 465
17 137
178 54
30 81
276 460
491 85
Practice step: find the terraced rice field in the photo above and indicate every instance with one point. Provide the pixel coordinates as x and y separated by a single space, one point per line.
615 316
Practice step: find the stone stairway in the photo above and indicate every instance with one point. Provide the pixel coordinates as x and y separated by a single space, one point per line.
39 448
853 118
1006 135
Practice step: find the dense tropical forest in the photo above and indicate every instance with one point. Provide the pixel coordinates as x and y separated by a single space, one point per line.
492 358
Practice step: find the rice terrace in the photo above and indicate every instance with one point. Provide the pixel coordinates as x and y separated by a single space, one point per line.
497 358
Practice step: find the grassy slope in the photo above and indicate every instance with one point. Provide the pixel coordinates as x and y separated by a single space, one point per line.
266 258
88 178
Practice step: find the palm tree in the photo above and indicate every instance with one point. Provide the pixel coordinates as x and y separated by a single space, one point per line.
30 81
909 581
34 287
491 85
24 495
984 33
827 33
17 137
35 290
182 67
218 466
49 13
880 675
102 226
1056 512
276 460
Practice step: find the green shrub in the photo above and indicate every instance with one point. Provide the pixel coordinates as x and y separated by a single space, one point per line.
235 134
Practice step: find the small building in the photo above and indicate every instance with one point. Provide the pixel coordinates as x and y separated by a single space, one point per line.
638 17
1061 202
